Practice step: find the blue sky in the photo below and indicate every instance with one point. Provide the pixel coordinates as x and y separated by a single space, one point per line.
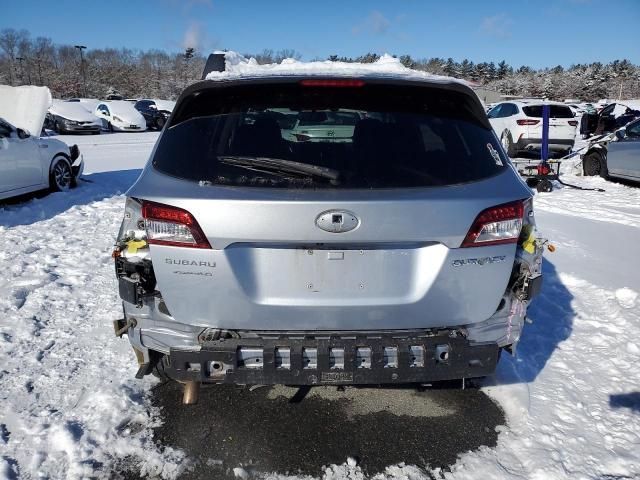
537 33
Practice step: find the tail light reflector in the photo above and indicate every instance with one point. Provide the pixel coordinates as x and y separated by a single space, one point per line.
573 123
526 121
332 82
172 226
496 225
543 168
301 137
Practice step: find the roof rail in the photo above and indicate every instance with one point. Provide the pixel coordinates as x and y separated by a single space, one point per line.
215 63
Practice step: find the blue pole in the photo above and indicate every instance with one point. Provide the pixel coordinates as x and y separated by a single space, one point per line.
545 133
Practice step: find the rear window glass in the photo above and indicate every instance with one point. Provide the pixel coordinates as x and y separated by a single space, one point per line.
292 136
555 111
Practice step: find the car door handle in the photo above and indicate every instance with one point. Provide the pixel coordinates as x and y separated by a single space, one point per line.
44 145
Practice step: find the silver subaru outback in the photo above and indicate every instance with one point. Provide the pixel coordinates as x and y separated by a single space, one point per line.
401 251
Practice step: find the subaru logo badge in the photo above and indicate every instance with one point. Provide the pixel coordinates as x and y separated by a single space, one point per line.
337 221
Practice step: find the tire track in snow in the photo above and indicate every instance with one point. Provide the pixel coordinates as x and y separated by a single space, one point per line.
618 204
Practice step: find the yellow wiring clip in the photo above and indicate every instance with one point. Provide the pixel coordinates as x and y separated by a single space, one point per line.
134 245
529 244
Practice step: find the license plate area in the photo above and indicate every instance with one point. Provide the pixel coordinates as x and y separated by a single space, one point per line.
336 276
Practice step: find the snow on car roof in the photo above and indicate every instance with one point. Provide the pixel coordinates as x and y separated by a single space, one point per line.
238 66
634 104
165 104
119 107
88 104
72 111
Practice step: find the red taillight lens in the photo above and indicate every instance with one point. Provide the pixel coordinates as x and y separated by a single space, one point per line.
301 137
322 82
496 225
573 123
543 169
172 226
527 122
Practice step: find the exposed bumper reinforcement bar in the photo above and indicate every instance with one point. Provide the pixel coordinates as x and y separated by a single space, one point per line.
334 361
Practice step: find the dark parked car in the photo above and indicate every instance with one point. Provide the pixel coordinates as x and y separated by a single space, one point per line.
609 119
155 112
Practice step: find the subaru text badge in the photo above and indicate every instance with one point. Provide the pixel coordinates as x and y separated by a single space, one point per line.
337 221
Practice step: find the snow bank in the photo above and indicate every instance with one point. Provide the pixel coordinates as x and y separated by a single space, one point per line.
25 107
238 66
70 405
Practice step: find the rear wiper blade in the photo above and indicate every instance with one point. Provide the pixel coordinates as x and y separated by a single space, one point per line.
281 165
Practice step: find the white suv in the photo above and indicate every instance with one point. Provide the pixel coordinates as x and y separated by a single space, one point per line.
518 125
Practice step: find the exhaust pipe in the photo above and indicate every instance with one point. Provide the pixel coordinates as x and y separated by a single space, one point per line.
190 393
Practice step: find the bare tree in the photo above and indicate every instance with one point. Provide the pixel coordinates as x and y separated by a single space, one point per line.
43 52
11 42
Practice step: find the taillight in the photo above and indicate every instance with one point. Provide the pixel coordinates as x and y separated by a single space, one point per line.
496 225
543 169
332 82
527 121
172 226
301 137
573 123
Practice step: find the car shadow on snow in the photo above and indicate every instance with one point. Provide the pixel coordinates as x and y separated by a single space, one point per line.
552 318
38 206
290 431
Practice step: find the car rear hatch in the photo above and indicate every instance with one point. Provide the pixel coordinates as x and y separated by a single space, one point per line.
249 230
562 123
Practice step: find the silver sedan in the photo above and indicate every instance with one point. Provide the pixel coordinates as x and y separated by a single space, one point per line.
619 158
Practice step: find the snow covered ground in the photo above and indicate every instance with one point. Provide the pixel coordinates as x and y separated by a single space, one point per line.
72 409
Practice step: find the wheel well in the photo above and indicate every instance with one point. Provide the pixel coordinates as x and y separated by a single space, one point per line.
592 151
602 159
58 155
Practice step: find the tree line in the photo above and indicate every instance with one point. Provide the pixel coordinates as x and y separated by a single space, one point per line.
587 82
71 71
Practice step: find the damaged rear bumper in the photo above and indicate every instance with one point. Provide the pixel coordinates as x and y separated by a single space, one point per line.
331 361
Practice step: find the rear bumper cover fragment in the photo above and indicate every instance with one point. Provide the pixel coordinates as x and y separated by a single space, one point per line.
463 360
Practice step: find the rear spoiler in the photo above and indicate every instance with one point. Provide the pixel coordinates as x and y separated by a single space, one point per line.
215 63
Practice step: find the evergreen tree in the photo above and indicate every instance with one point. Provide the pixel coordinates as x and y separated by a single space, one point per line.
450 67
504 69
